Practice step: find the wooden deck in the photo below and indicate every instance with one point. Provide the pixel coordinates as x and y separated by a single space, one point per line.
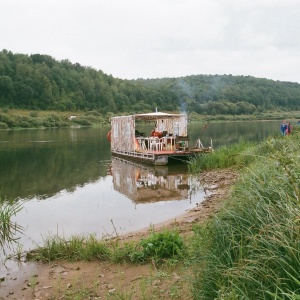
160 157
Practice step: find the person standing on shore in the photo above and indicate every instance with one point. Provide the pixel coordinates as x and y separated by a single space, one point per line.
283 127
288 128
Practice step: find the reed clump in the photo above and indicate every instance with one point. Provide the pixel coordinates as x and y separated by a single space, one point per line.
8 228
251 248
235 155
158 246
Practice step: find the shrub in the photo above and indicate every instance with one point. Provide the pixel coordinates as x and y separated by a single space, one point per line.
159 246
35 123
10 121
46 123
83 122
3 125
33 114
24 124
93 113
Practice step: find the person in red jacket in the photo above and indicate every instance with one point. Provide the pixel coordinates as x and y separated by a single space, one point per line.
288 128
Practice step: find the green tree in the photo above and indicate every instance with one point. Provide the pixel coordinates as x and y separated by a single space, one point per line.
7 91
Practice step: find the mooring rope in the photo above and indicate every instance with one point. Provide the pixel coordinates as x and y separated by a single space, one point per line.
182 160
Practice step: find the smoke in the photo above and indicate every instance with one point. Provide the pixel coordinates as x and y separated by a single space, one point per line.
186 92
186 88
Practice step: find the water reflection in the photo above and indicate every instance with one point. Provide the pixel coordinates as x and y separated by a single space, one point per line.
144 184
42 163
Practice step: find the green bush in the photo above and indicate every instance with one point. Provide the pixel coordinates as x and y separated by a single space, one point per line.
33 114
3 125
82 122
10 121
46 123
64 124
159 246
35 123
93 113
24 124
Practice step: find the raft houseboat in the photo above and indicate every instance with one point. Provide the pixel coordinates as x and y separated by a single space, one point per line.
167 141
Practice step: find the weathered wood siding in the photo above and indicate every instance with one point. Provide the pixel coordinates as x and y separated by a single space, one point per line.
176 126
123 130
123 133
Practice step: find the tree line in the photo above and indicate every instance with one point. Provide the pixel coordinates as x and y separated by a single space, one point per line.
39 82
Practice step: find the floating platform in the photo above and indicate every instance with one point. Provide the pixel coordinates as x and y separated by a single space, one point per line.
168 141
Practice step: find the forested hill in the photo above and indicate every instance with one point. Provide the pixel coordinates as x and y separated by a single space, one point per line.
41 82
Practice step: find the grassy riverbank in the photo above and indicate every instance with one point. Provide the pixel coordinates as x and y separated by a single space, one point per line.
15 119
251 249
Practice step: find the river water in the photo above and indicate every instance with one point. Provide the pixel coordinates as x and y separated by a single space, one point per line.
69 184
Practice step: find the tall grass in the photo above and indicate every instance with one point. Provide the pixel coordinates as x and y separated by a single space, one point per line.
224 157
8 228
157 247
251 249
74 248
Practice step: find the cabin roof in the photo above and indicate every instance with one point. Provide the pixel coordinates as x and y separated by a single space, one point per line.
157 115
151 116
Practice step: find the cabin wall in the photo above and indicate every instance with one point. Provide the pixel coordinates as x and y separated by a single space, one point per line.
183 125
123 133
123 130
176 126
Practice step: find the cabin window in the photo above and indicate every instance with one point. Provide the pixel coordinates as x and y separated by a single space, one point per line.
127 130
176 128
116 131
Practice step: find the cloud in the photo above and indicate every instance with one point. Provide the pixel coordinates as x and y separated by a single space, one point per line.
160 38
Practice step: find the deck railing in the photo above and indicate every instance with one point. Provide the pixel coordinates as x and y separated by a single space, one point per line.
155 143
142 155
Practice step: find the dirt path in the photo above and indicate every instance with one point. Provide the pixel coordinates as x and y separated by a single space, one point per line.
105 280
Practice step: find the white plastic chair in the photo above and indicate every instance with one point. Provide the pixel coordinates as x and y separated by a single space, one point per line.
155 144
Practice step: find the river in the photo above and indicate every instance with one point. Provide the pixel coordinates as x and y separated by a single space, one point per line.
69 184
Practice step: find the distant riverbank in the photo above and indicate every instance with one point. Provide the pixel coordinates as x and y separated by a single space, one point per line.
17 119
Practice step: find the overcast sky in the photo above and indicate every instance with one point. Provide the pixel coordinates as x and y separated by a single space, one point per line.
132 39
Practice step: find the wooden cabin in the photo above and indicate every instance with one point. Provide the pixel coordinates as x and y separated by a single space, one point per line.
168 139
